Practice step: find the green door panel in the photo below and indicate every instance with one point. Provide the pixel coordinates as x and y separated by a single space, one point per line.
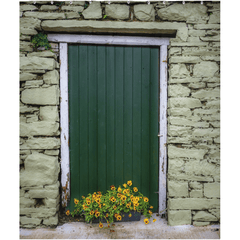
113 119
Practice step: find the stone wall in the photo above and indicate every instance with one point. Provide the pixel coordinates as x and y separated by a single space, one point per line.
193 179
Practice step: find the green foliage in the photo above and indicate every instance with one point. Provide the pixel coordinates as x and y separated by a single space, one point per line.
112 204
85 5
40 40
105 16
59 4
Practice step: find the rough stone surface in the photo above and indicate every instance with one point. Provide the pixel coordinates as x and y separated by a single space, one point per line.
39 129
178 189
117 11
29 63
212 190
204 216
73 8
41 143
40 169
51 77
180 217
49 113
184 12
41 96
94 11
144 12
175 152
45 15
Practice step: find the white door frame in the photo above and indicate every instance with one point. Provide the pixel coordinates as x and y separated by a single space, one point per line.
162 43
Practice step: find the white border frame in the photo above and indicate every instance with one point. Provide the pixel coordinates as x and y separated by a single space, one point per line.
162 43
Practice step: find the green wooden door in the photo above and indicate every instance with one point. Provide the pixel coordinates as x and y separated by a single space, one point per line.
113 114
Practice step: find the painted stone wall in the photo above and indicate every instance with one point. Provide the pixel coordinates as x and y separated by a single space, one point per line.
193 185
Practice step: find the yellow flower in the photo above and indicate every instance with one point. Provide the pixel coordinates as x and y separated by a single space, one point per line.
119 218
150 212
151 207
135 189
99 205
125 185
119 189
88 202
125 191
67 212
112 187
128 191
76 201
100 225
97 214
146 221
115 207
145 199
130 215
123 198
83 197
92 212
129 183
154 220
128 205
119 195
106 214
98 200
136 204
115 215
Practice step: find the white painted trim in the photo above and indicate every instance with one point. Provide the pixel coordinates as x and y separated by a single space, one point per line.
65 170
163 130
113 40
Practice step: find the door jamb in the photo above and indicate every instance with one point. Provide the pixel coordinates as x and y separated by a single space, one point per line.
162 43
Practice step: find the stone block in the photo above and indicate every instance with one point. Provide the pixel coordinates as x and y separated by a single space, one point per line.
207 26
44 193
180 121
41 96
184 59
24 76
211 38
200 224
196 194
207 93
184 80
30 23
195 185
214 18
205 69
48 8
41 143
28 7
144 12
210 132
26 109
175 152
178 70
52 221
212 190
33 83
51 203
184 102
94 11
204 216
175 165
186 112
215 212
47 54
174 51
51 152
177 189
184 12
40 212
30 63
193 203
197 33
180 217
45 15
188 177
26 46
43 128
179 131
73 8
178 90
117 11
51 77
71 15
77 3
49 113
30 220
26 202
40 169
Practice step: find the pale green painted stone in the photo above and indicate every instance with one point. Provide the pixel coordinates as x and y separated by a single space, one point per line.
47 54
73 8
144 12
30 220
178 90
45 15
175 152
40 169
27 7
215 212
184 12
117 11
184 59
41 143
196 194
33 84
200 224
188 177
77 3
207 26
41 96
42 128
38 212
180 217
214 18
29 22
30 63
193 203
205 69
51 203
49 113
210 132
71 15
48 8
51 152
175 165
28 31
178 70
177 189
179 131
26 46
197 85
180 112
24 76
26 202
204 216
211 38
94 11
51 77
44 193
197 33
187 122
184 80
51 221
212 190
174 51
207 94
195 185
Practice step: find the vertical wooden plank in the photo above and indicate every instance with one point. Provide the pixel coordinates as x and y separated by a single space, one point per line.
127 131
110 115
163 129
154 126
92 98
101 134
137 111
83 119
145 120
119 72
65 169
